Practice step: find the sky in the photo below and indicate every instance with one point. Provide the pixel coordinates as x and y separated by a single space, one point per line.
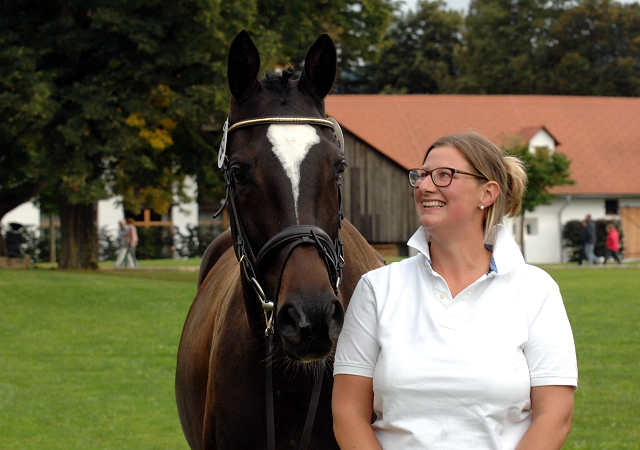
464 4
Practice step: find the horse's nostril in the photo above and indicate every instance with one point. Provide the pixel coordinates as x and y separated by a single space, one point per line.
335 319
291 321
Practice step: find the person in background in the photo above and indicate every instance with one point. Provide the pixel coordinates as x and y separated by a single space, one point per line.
463 345
613 244
589 240
123 253
132 240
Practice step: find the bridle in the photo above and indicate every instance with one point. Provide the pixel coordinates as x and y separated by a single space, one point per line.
253 266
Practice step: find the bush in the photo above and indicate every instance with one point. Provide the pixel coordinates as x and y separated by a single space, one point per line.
196 241
36 244
154 243
108 246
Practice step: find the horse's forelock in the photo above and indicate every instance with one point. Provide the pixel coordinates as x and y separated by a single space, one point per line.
277 82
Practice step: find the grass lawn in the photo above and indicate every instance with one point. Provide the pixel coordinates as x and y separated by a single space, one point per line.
604 309
87 360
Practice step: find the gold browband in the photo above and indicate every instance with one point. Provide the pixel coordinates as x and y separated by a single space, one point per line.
266 120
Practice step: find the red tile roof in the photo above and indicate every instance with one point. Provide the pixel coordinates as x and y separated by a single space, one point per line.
600 135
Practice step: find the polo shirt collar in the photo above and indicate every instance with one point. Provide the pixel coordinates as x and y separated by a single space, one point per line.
506 255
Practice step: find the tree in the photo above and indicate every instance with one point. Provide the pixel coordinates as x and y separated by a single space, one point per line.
505 45
418 57
26 107
595 50
123 88
544 171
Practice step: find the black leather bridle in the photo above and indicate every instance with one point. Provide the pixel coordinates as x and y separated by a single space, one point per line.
331 251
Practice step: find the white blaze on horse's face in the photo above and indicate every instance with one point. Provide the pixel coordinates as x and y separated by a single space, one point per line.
291 143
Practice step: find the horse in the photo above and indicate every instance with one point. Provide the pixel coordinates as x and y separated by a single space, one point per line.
257 343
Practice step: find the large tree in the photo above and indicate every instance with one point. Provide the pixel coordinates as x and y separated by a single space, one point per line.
127 86
26 107
595 50
505 45
419 53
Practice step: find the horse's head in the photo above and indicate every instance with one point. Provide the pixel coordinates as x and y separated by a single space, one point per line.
283 178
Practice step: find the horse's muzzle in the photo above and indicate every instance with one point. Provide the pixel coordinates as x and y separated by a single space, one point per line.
309 327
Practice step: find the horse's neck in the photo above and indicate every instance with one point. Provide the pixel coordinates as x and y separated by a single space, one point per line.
359 256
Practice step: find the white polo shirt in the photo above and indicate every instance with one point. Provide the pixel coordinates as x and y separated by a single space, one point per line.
455 373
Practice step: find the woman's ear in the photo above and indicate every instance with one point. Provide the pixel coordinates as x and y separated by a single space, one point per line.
490 193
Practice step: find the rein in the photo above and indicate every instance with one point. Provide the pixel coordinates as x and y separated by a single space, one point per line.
331 251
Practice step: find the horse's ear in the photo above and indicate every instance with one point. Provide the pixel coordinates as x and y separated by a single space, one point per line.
319 68
243 66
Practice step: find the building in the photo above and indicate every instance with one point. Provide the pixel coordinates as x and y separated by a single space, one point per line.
385 135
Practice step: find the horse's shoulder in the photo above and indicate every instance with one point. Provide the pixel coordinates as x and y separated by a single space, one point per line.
212 254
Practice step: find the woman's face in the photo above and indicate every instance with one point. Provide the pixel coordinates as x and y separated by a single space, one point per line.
454 207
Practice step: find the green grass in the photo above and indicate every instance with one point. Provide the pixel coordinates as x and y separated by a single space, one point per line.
190 262
87 360
604 309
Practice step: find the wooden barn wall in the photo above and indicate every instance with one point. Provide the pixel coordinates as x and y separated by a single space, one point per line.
378 199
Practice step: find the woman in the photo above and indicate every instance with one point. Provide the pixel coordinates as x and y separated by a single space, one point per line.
464 345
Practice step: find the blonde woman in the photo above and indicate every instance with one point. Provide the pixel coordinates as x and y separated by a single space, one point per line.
464 345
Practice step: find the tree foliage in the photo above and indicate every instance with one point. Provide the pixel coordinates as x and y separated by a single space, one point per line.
586 47
506 42
595 50
101 98
420 51
545 170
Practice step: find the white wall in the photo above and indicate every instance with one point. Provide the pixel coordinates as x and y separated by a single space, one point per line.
542 139
26 214
545 245
110 212
186 214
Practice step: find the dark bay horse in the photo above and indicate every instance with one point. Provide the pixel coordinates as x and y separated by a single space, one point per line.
279 270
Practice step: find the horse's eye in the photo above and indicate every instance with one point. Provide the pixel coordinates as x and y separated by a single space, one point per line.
340 169
238 176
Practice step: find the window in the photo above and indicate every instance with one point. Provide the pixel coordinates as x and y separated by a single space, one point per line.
611 206
531 226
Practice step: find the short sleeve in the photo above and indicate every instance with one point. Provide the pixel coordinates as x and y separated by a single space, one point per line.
358 347
550 349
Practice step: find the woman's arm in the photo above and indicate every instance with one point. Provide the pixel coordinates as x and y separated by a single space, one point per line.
352 406
552 408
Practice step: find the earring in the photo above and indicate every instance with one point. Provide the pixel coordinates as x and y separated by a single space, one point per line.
481 207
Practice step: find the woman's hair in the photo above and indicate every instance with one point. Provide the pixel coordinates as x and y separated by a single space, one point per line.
129 220
491 162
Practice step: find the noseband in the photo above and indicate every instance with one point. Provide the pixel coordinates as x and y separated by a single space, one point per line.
332 252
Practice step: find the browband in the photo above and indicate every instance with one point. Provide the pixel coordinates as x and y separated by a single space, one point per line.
328 122
266 120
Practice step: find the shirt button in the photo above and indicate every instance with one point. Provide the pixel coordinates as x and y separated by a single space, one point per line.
442 296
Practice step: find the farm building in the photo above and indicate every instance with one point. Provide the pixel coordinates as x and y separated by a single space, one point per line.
385 135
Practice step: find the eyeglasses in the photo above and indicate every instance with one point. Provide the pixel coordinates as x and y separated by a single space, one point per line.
441 176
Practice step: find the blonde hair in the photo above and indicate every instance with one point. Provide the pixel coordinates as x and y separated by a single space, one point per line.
492 163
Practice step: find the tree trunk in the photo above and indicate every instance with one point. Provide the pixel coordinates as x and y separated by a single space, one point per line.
79 246
52 239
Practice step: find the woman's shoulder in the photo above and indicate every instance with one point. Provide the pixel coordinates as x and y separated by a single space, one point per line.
395 270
